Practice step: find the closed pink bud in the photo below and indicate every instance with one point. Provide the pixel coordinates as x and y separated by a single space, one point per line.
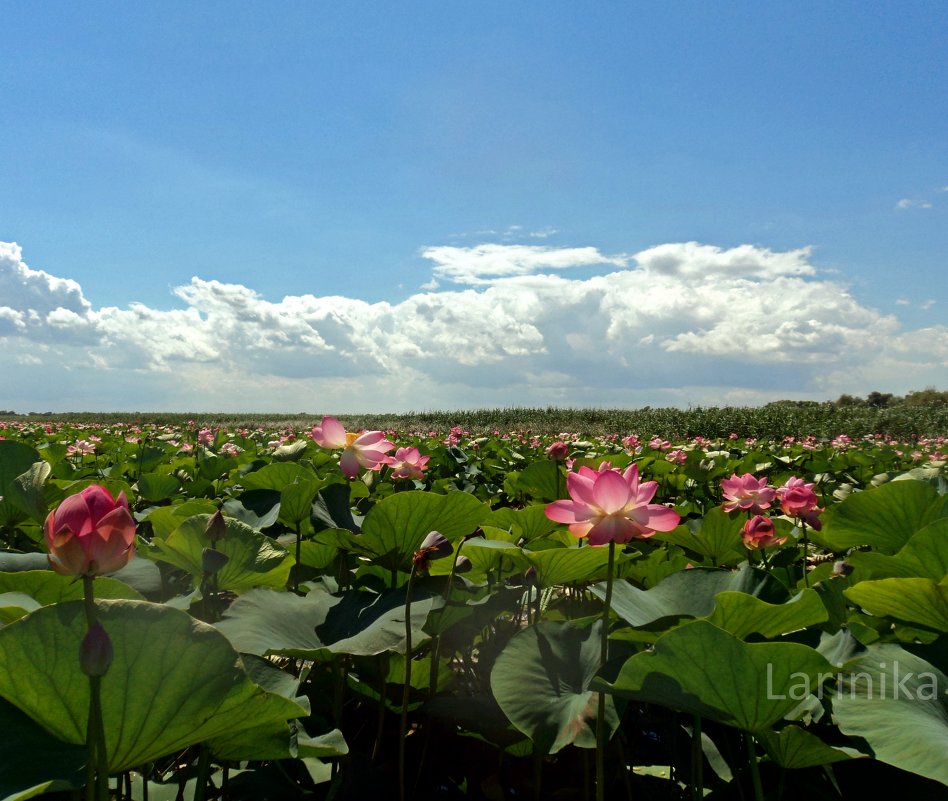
90 533
759 532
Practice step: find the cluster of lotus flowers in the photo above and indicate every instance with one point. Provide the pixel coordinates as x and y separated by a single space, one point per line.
751 495
91 533
368 451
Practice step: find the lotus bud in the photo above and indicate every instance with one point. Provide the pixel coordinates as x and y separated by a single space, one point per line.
463 565
216 527
558 451
213 560
95 652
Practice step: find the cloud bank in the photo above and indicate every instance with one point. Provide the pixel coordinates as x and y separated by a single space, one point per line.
677 324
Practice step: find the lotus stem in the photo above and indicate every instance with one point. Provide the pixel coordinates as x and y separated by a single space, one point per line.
406 690
97 770
203 771
806 550
603 658
697 761
754 769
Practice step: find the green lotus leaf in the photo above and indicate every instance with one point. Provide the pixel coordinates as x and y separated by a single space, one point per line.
898 703
395 527
165 519
47 587
913 600
276 476
296 501
716 536
313 626
16 459
157 486
542 480
884 517
254 560
925 555
173 682
707 671
793 747
530 522
258 509
742 614
13 605
557 566
27 491
542 682
689 593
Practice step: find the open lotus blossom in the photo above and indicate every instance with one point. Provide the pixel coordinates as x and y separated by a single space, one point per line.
759 532
606 505
747 494
797 498
408 463
90 533
365 449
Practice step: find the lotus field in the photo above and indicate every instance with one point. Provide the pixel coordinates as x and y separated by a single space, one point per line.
191 612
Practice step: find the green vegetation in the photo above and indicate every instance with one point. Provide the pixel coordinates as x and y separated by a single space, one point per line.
921 413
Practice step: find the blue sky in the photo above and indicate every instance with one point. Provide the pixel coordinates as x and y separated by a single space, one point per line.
429 163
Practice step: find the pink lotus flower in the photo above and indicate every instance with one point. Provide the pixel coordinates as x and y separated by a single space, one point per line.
558 451
90 533
366 449
82 447
607 505
408 463
677 456
747 494
797 498
759 532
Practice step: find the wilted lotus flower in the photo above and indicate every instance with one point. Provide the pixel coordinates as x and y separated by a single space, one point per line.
434 546
841 569
90 533
216 527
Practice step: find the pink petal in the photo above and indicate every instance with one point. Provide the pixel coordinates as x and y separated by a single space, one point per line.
567 512
73 514
612 529
98 501
330 434
611 492
68 558
370 438
580 486
349 462
646 492
661 518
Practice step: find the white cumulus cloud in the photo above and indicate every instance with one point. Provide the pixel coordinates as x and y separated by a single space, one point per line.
674 324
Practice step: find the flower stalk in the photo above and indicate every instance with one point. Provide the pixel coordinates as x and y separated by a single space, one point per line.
603 659
95 666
